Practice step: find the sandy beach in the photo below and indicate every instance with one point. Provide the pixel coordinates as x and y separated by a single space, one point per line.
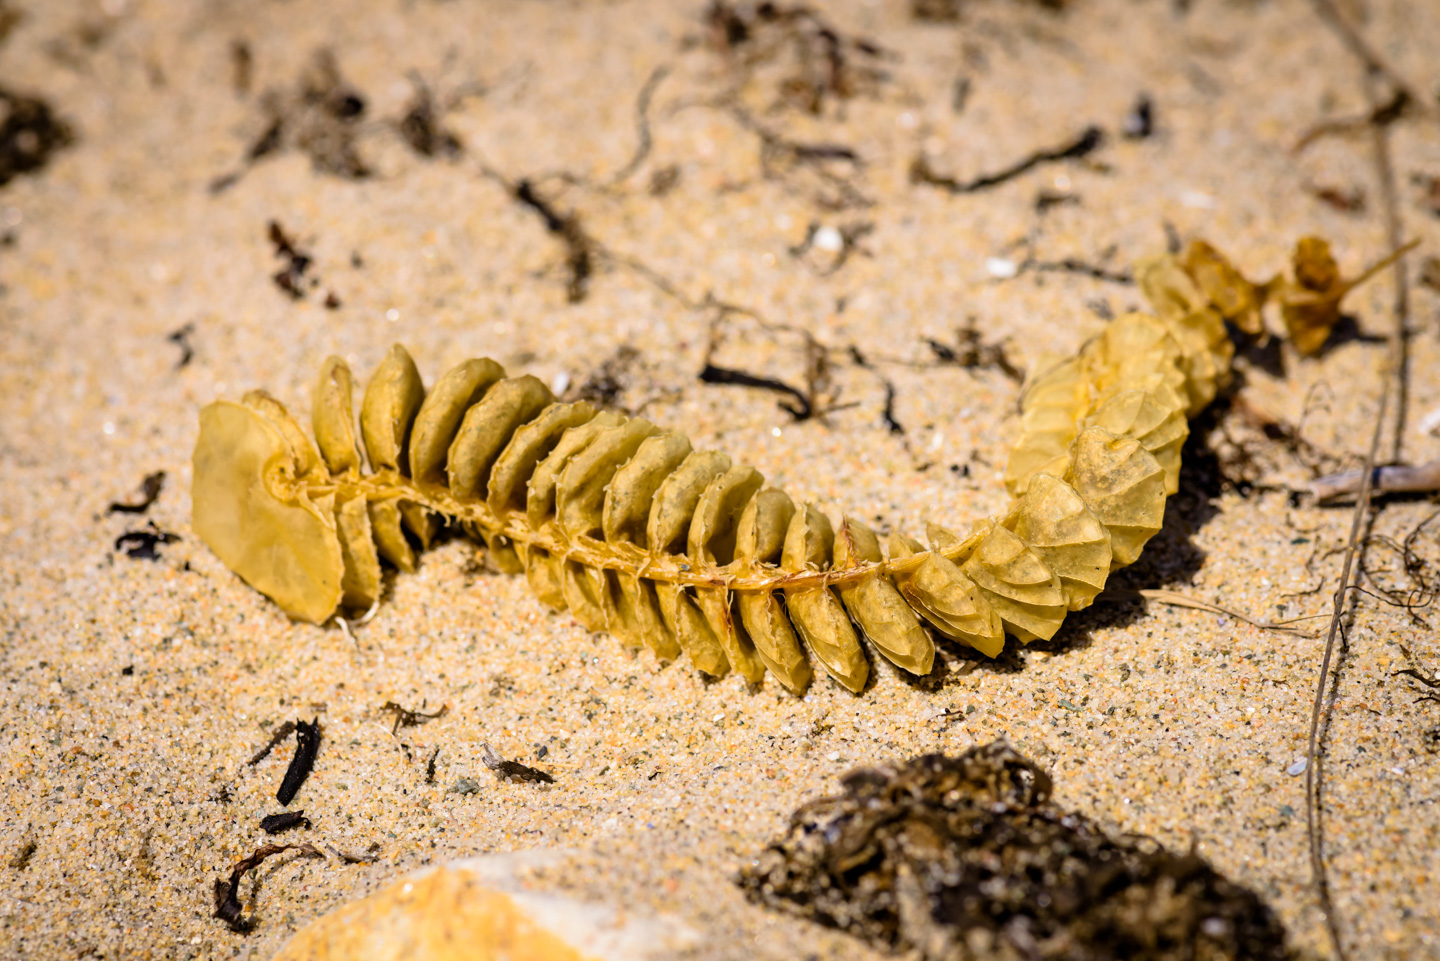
612 196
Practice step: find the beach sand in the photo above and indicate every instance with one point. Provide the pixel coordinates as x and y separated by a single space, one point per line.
132 293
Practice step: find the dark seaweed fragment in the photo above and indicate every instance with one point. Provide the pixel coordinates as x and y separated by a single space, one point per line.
150 489
512 770
1431 739
606 384
579 247
824 62
307 745
319 116
1074 265
242 66
29 133
1140 121
281 733
290 277
800 410
967 857
227 890
887 413
1087 142
140 545
181 338
404 717
22 857
1433 683
275 823
422 128
972 352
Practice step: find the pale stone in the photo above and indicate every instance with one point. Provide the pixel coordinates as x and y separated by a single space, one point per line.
475 910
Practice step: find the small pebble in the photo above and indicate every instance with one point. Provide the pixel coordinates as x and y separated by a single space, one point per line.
1001 267
465 785
829 239
1430 423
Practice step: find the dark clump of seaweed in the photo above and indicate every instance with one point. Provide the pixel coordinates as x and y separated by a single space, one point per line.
29 133
606 384
227 890
579 246
181 338
276 823
281 733
295 262
307 746
141 545
405 717
507 770
968 858
819 62
320 116
150 489
1086 143
423 127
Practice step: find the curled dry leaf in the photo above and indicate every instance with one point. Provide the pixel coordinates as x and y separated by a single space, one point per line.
1310 301
1237 299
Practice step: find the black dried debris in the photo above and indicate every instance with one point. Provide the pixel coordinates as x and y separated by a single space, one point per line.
579 247
276 823
140 545
404 717
967 858
423 129
21 860
935 11
887 413
281 733
971 351
227 890
1433 683
824 62
1139 123
181 338
607 383
150 489
802 409
512 770
320 116
307 746
1083 145
29 133
290 277
1431 739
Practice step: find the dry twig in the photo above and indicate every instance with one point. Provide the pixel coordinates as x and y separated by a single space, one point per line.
1395 373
